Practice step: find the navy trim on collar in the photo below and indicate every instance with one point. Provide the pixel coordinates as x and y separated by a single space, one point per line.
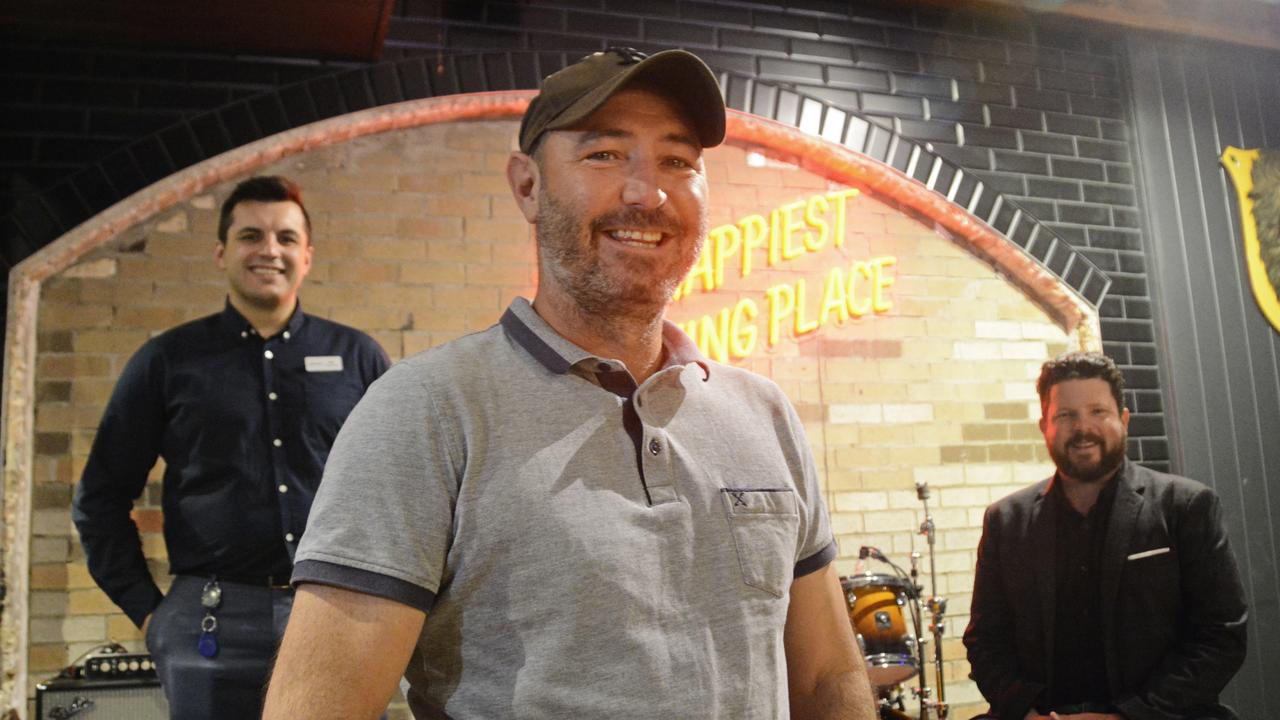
679 349
534 345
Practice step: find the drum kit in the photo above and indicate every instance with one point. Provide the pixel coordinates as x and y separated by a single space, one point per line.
893 643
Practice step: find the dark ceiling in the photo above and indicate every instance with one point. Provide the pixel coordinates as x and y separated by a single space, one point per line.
347 29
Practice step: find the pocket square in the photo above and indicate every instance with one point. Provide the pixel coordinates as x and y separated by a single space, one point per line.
1147 553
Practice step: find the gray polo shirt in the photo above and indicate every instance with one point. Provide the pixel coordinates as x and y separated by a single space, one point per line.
583 547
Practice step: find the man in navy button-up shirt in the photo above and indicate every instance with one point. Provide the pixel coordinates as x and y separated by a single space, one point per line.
243 407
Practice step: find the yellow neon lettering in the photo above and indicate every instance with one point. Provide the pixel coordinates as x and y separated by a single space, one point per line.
882 282
743 338
725 241
714 336
803 325
775 236
755 231
839 197
834 297
814 215
702 270
782 302
857 309
791 225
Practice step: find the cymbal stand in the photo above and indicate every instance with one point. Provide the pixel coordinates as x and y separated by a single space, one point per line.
937 610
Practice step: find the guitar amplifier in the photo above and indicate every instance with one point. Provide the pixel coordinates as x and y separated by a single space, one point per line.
135 699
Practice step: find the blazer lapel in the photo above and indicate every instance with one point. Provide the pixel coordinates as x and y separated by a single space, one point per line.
1124 518
1043 533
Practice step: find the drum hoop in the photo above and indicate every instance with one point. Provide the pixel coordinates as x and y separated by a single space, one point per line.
872 580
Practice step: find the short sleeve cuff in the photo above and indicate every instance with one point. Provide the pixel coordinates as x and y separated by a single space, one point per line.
364 581
816 561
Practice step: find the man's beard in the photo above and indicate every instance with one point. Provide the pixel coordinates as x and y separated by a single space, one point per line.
1111 458
631 290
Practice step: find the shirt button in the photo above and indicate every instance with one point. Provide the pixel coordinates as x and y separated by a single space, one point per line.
288 537
655 447
283 488
286 334
268 354
272 396
244 334
277 442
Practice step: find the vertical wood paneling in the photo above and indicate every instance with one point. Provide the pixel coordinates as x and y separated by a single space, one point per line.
1220 356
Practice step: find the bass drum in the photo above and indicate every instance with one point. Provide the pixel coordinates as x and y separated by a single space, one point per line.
876 606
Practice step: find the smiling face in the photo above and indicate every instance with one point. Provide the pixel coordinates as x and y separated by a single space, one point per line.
620 205
1085 432
266 254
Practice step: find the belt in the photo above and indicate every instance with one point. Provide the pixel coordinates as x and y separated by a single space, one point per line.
274 582
1084 707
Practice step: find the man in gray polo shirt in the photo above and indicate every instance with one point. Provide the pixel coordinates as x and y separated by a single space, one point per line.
573 514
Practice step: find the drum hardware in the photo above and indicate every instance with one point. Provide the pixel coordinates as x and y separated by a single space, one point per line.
893 654
876 603
937 610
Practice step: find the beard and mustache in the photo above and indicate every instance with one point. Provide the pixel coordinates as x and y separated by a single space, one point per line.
633 285
1090 472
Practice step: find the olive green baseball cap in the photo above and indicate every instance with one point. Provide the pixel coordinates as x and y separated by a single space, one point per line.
570 95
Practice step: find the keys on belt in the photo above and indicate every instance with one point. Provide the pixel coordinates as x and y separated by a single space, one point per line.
210 599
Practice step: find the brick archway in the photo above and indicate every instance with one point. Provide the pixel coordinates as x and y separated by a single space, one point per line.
818 136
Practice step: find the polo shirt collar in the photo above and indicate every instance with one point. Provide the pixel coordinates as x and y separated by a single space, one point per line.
523 324
233 322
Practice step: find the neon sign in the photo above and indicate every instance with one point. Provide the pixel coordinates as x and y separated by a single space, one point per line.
791 231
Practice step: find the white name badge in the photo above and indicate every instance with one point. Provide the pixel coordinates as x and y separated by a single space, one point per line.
323 363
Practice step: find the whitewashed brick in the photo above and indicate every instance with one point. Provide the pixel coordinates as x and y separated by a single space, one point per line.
963 539
1023 350
864 413
1022 391
965 496
889 521
51 522
1025 474
977 350
861 501
946 562
72 629
963 693
976 515
175 223
908 412
998 329
987 474
939 475
1042 331
98 269
899 499
48 604
845 523
950 517
50 549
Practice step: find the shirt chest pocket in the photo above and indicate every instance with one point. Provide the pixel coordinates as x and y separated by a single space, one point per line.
765 525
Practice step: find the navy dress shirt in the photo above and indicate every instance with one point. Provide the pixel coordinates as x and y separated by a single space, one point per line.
244 425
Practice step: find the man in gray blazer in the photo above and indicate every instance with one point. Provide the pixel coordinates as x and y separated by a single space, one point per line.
1108 590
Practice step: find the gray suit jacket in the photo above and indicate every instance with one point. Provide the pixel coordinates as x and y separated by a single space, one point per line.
1172 602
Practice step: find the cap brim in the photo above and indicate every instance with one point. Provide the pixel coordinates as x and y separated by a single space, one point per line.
680 75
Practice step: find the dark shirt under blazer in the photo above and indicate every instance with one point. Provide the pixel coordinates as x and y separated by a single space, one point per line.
244 425
1172 604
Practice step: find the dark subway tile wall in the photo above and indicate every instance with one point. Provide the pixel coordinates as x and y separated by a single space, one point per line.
1034 107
